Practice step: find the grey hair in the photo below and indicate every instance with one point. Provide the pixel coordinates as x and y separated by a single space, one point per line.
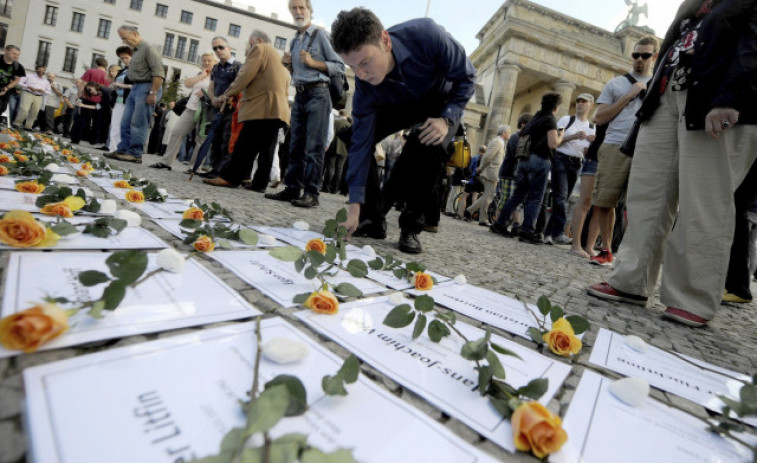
307 3
258 34
128 28
12 47
219 37
503 128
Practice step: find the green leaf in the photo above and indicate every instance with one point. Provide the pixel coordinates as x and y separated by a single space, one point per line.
502 406
231 444
376 264
333 385
113 295
424 303
301 298
535 388
329 229
117 224
92 277
64 228
475 350
748 397
498 371
415 267
317 456
437 330
484 378
357 268
190 223
503 351
99 231
298 401
350 369
536 335
249 455
556 313
223 244
420 325
330 253
399 273
348 289
92 206
269 408
96 311
316 258
400 316
341 215
46 199
544 305
287 253
299 264
310 272
579 323
127 266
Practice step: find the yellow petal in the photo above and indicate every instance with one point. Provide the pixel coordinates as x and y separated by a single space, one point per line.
74 202
51 239
18 215
563 325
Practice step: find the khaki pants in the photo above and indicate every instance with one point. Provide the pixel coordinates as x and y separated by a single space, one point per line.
676 169
28 109
483 201
179 131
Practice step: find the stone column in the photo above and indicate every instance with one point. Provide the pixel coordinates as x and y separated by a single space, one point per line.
502 99
565 89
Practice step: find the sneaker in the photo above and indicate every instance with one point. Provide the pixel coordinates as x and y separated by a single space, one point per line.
305 201
605 291
604 258
499 229
531 238
548 240
684 317
562 239
730 297
112 154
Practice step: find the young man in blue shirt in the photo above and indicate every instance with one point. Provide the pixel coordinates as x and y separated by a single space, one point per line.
413 75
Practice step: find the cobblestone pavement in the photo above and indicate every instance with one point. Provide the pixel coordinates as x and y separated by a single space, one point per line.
503 265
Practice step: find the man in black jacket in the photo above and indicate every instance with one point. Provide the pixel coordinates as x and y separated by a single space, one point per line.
697 141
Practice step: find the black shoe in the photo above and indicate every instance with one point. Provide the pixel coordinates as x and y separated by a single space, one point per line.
371 229
532 238
287 194
160 165
514 231
409 242
208 174
305 201
499 229
112 154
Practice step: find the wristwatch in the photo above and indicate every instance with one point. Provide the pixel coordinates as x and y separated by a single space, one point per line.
152 92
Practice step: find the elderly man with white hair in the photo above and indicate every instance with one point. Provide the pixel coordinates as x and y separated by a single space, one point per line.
488 171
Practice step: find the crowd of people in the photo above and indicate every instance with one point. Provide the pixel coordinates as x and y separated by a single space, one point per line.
659 153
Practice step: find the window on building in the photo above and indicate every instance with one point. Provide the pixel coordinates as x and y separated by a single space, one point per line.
168 45
194 46
43 53
51 15
3 34
77 22
211 24
161 10
5 7
69 62
235 30
103 29
94 58
280 43
186 17
136 5
110 1
181 48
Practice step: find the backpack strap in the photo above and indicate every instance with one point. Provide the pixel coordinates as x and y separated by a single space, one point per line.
630 78
570 122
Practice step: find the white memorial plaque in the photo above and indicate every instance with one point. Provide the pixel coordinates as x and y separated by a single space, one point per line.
300 238
278 279
165 301
603 429
435 371
11 200
665 371
172 227
174 399
387 278
486 306
170 209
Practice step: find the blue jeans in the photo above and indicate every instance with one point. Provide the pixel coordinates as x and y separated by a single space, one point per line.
531 182
135 124
565 171
310 126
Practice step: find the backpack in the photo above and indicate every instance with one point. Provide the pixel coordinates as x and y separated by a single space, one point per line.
523 151
601 130
338 84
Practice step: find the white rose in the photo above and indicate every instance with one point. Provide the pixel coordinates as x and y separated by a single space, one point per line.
132 218
630 391
267 240
63 178
95 158
107 206
636 343
283 350
301 225
52 167
369 251
171 260
397 298
461 280
163 191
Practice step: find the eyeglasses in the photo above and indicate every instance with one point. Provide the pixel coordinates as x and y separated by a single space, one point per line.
644 56
219 47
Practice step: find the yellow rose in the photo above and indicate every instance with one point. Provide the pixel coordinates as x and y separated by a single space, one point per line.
57 209
73 159
322 302
30 187
20 157
134 196
121 184
19 229
4 146
4 170
82 173
562 339
87 166
537 430
4 157
67 152
74 202
316 244
204 244
193 213
29 329
423 281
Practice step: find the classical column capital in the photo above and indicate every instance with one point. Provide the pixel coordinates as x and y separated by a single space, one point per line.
563 86
509 67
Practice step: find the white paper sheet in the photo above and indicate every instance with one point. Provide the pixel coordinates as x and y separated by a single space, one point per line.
487 306
13 200
172 227
173 399
279 280
165 301
436 372
603 429
387 278
664 371
300 238
170 209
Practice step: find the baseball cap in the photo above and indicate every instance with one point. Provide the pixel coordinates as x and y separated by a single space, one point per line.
586 96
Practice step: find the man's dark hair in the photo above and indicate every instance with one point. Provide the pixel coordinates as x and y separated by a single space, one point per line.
523 120
355 28
550 101
123 50
101 62
649 40
12 47
40 66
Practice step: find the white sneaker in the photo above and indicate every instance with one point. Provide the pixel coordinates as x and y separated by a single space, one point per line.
562 239
548 240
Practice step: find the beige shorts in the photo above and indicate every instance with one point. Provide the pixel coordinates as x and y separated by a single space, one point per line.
612 176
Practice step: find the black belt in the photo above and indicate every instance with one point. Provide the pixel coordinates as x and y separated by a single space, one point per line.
142 81
302 87
573 159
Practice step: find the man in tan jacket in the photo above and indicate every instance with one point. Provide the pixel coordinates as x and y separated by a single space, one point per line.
263 109
488 171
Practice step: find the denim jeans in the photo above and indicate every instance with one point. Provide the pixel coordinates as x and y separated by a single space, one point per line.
532 176
565 171
310 125
135 123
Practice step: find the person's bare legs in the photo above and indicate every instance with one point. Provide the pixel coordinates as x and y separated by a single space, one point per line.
461 205
606 219
579 216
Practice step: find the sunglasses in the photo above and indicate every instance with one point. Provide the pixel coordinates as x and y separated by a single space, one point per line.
221 47
644 56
